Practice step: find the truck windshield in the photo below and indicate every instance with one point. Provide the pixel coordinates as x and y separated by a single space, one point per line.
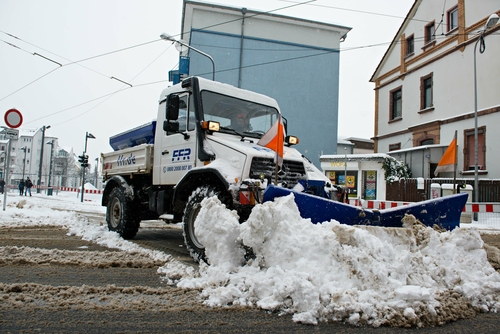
235 115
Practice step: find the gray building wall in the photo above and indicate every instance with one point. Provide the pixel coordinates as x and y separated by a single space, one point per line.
301 73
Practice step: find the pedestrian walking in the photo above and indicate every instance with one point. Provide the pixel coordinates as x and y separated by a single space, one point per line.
2 186
28 184
21 187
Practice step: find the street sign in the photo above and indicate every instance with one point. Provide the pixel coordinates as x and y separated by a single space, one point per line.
11 133
13 118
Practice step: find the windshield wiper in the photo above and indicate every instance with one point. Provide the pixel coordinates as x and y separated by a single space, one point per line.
242 135
233 131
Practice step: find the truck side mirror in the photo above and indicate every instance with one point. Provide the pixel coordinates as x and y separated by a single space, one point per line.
170 126
172 107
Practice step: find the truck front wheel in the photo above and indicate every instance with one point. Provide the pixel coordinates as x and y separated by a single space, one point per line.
121 214
193 206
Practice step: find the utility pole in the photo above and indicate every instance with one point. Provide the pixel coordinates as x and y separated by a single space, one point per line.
45 127
84 162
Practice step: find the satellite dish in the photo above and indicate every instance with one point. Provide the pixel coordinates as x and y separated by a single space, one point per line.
181 46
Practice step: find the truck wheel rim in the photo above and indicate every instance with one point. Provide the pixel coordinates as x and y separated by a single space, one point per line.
192 232
115 213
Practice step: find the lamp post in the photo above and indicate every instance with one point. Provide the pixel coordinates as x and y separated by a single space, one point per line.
43 128
96 163
84 165
492 21
24 160
182 43
51 143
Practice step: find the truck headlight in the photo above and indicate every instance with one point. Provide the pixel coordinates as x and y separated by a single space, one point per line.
291 140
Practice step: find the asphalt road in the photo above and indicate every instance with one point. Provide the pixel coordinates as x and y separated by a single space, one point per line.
67 292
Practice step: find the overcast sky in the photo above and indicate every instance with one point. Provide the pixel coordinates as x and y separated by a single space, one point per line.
95 40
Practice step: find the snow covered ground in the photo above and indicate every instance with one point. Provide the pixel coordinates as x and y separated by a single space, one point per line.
360 275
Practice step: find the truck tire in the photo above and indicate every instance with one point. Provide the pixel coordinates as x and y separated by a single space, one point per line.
193 206
122 215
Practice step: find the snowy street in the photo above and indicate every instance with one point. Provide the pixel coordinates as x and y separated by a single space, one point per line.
58 259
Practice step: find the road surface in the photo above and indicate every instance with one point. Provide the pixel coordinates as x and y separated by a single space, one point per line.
53 282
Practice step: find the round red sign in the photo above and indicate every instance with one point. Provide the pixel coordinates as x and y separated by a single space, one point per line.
13 118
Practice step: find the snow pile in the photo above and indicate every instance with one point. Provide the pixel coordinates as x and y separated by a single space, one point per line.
61 211
362 275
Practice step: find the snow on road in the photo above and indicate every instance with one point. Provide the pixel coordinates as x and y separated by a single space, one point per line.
360 275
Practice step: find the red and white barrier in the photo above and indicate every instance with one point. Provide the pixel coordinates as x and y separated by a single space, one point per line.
78 190
481 207
380 205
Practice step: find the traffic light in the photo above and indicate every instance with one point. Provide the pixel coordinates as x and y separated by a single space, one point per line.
83 160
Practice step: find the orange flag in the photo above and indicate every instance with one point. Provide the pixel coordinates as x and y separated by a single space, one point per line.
449 159
274 139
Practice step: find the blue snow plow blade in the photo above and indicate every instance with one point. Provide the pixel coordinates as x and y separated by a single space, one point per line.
444 211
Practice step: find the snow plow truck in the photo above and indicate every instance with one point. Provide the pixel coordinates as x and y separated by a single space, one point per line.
202 143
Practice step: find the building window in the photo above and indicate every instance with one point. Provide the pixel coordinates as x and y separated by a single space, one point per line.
469 158
396 103
426 92
427 142
394 147
453 18
410 46
430 33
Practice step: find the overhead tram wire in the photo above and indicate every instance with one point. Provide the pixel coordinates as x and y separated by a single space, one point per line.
357 11
161 81
21 88
253 15
119 50
109 95
118 91
63 65
224 70
309 3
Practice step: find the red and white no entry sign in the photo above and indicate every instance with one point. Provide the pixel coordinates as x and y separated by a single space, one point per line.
13 118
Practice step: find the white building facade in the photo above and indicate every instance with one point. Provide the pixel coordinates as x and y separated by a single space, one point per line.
25 155
425 90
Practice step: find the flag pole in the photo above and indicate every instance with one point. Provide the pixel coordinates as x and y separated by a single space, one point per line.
455 168
277 163
276 175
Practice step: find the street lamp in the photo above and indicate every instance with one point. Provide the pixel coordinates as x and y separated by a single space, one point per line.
180 44
87 136
51 143
45 127
24 160
492 21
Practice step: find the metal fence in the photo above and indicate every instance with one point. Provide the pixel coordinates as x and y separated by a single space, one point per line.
405 190
489 192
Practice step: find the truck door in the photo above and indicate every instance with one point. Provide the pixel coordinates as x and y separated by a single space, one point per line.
179 148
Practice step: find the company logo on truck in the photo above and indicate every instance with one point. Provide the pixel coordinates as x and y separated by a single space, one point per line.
182 155
122 161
